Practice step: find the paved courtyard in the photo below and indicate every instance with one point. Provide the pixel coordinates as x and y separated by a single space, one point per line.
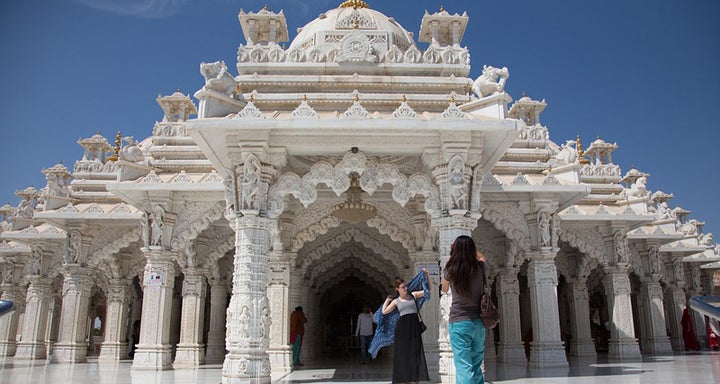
695 368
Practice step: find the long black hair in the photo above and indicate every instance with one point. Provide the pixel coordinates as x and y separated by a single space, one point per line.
462 266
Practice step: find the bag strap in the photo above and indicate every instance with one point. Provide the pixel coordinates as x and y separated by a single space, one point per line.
418 307
486 288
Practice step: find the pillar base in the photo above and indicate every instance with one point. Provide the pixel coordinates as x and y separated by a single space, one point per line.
511 353
152 357
215 354
111 352
280 360
7 348
583 348
446 371
189 356
69 353
547 355
624 349
31 351
657 346
252 367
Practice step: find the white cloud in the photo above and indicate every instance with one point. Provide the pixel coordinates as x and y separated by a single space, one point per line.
152 9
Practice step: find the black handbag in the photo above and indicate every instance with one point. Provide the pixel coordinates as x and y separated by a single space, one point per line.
421 324
488 312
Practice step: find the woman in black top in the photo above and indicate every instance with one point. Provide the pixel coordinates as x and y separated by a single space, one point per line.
464 272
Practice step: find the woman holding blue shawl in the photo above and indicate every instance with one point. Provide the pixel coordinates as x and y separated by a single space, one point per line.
409 364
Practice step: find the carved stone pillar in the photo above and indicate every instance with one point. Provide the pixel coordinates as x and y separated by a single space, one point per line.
216 333
248 317
676 302
430 313
39 296
9 323
582 344
71 346
279 297
654 337
510 348
190 351
449 228
547 347
622 344
115 346
153 351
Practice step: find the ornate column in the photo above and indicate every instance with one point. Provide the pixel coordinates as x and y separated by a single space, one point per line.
510 348
449 228
153 351
71 346
215 352
248 317
675 298
32 345
622 344
279 297
582 344
650 300
9 323
114 347
547 347
430 312
190 350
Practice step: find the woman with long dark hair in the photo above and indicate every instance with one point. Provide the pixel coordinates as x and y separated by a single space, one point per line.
409 364
464 273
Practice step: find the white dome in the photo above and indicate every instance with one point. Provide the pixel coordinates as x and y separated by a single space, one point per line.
333 27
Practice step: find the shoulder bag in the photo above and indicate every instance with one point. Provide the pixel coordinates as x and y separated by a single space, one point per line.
488 312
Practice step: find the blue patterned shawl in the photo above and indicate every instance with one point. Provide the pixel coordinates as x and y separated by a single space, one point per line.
385 332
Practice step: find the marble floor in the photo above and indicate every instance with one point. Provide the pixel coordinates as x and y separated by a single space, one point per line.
694 368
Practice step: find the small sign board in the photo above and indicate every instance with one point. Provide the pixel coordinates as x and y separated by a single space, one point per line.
154 279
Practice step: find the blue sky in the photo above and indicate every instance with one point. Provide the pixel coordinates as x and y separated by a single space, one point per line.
643 74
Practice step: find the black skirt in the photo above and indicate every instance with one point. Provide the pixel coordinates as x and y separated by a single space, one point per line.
409 361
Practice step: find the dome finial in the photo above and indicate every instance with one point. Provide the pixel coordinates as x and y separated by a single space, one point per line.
354 4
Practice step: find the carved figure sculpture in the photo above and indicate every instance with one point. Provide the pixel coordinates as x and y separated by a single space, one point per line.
229 192
567 155
8 273
25 209
638 189
250 183
622 250
456 179
131 152
654 260
491 81
217 78
33 265
145 231
158 224
73 248
705 239
663 211
544 228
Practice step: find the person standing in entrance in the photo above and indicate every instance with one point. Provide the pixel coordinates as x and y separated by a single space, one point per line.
409 365
465 273
297 333
364 330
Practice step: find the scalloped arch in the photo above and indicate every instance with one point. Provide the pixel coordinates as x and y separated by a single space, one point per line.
590 243
347 257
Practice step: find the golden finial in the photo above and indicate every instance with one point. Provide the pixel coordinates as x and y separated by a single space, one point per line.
236 91
252 98
404 99
524 94
356 24
357 98
305 97
354 4
179 90
581 158
265 8
452 99
442 9
116 150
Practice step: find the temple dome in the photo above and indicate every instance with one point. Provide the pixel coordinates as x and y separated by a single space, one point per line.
352 18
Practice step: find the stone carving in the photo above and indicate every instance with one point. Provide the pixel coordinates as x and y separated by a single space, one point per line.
705 239
250 184
654 260
229 184
32 267
456 180
491 81
356 48
145 232
690 228
7 277
567 155
131 152
622 250
217 78
25 209
543 219
157 225
637 190
663 211
73 247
